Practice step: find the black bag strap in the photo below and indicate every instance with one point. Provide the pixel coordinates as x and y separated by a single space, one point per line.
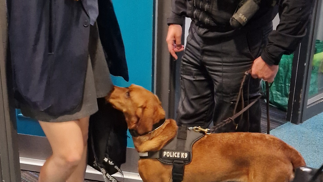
178 166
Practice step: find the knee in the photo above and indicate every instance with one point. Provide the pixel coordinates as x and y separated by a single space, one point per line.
70 159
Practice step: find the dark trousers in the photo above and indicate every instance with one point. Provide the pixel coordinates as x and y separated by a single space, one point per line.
212 70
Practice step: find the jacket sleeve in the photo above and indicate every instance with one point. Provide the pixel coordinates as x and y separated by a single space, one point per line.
178 12
294 18
111 40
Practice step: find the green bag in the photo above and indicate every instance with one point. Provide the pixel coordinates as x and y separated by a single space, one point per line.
279 91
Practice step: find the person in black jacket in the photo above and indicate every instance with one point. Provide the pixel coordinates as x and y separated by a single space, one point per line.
219 51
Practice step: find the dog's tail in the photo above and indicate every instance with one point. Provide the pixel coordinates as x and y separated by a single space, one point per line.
295 157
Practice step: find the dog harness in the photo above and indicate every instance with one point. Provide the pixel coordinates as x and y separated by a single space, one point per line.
178 152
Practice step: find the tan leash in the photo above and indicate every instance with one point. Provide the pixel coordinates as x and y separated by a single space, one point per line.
236 115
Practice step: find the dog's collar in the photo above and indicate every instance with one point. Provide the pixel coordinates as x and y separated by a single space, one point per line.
134 132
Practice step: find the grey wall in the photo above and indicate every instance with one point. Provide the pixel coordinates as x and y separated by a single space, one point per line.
320 24
187 26
275 22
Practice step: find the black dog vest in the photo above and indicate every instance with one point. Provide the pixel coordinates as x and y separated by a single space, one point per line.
177 152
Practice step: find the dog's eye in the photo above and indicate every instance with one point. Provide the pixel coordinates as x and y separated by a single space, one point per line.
128 94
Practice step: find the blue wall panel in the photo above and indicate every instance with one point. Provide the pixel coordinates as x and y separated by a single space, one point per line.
28 126
136 23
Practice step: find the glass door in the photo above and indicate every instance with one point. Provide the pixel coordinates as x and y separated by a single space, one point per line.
313 96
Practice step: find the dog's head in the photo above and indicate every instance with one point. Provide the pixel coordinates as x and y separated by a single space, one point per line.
142 109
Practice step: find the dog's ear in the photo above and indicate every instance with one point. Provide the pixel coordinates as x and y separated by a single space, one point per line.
147 114
157 99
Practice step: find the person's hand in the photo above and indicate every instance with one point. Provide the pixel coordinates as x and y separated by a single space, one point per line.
260 69
173 40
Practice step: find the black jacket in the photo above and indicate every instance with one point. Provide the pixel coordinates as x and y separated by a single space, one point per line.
294 17
48 42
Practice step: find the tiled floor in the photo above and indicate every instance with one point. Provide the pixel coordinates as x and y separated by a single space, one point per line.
277 117
28 176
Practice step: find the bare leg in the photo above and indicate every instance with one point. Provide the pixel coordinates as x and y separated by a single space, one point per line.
67 142
78 174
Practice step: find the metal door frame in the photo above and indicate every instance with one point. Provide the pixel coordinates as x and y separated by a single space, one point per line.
9 157
166 69
312 109
298 110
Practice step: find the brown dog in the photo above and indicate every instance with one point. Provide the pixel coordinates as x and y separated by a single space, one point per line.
224 157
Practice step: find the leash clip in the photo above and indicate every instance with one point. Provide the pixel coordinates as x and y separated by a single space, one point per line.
199 129
247 72
236 126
